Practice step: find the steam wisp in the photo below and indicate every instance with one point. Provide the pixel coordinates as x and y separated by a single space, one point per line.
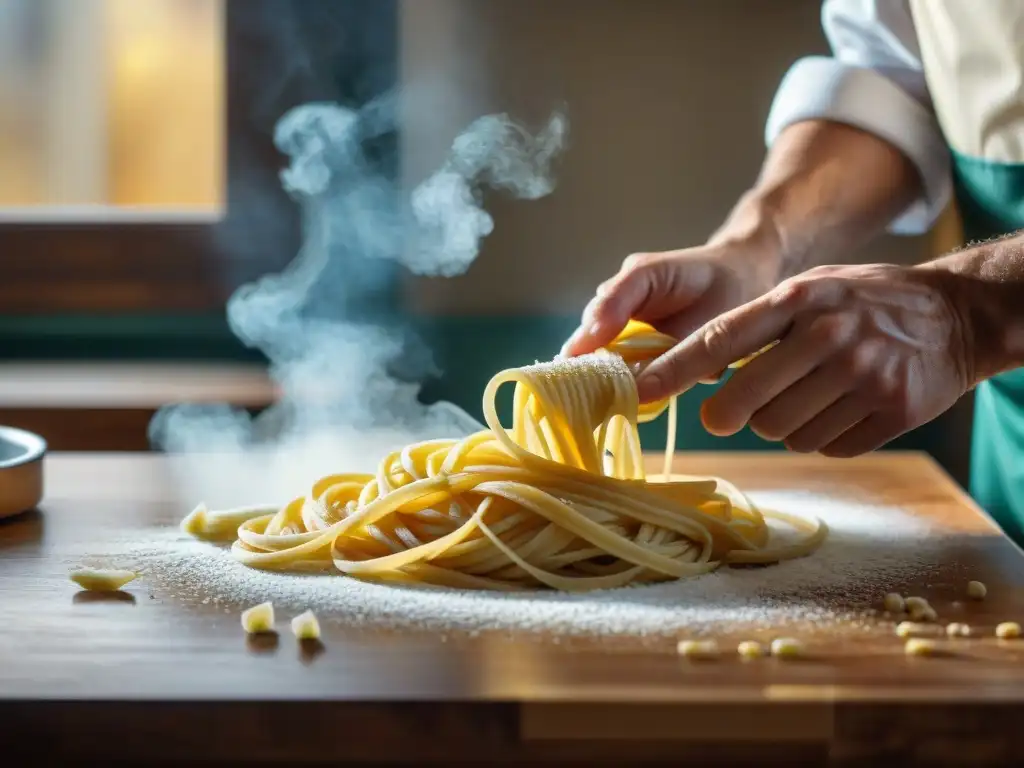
330 324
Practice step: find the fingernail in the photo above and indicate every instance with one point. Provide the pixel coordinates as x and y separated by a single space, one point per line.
588 311
588 329
564 351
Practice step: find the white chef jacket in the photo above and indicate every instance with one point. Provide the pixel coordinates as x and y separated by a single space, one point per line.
874 81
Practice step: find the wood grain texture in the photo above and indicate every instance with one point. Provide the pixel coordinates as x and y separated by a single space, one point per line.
148 676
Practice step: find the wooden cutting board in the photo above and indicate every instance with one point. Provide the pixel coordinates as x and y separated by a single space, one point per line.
149 676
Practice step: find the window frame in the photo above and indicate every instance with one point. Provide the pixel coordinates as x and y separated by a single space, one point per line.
146 266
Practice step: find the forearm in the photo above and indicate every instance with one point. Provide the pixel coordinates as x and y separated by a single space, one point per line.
985 284
824 188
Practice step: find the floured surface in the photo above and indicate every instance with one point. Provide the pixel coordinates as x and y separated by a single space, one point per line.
870 550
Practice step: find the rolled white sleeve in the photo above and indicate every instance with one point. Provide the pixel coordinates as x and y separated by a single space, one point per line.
873 81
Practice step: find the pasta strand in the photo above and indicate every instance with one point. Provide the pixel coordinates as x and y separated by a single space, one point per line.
559 499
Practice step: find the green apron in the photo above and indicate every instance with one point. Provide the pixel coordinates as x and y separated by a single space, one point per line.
990 197
973 60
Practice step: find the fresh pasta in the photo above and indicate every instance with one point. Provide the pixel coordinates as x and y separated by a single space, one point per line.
559 500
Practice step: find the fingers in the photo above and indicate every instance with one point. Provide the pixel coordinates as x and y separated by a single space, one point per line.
688 321
608 312
831 424
761 382
797 406
719 343
870 434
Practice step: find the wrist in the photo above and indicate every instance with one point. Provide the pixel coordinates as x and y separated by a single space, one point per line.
752 235
987 308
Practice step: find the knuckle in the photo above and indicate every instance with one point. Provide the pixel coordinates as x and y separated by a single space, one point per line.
793 293
829 279
864 357
821 270
858 363
821 286
884 388
717 340
635 261
613 296
829 330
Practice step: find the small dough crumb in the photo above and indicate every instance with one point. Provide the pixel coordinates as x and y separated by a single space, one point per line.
195 523
306 627
916 629
222 524
750 649
916 603
956 629
259 618
894 603
100 580
976 590
920 647
787 647
925 614
698 649
1008 630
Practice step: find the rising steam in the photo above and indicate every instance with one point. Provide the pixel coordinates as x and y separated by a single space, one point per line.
329 324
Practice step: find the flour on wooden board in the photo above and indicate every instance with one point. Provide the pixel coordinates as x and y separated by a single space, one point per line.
870 550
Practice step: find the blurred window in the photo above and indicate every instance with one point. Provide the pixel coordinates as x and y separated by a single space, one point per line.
138 172
111 104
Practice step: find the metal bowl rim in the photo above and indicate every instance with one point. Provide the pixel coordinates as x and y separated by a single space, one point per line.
32 445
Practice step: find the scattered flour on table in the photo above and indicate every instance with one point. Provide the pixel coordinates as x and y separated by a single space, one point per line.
870 550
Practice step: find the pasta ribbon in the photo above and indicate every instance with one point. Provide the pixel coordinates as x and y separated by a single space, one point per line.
559 499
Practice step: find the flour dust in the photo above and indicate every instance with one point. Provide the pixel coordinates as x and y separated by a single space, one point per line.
870 550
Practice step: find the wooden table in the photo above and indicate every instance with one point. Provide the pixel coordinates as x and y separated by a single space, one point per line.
158 678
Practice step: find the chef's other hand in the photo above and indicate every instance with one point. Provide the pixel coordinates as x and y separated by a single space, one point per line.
866 354
674 291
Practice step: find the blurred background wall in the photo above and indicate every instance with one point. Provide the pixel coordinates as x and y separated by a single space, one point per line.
667 102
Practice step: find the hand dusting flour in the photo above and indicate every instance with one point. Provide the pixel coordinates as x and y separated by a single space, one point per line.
870 550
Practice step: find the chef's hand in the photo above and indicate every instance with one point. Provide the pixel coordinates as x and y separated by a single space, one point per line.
675 291
866 354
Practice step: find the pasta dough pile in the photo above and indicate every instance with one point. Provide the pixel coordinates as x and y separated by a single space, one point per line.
560 500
